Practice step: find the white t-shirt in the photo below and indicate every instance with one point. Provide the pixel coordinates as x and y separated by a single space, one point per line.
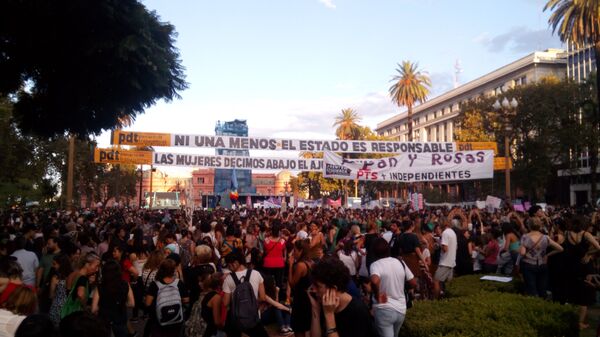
29 262
362 271
387 235
392 274
9 323
448 258
255 279
349 261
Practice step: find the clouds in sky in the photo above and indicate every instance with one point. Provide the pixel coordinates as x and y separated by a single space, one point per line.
328 3
519 40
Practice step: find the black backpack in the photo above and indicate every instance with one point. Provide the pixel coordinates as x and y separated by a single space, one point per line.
244 306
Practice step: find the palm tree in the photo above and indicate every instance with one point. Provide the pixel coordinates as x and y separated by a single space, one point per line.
578 21
411 85
347 124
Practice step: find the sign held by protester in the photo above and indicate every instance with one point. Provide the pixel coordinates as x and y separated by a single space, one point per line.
412 167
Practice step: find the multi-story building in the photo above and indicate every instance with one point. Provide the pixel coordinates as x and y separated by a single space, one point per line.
223 177
434 120
580 63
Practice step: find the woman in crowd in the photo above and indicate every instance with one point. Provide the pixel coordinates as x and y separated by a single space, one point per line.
578 245
299 280
166 321
58 285
187 248
272 311
21 303
533 258
201 266
350 258
274 255
11 277
128 270
78 284
334 312
510 251
212 301
112 298
491 250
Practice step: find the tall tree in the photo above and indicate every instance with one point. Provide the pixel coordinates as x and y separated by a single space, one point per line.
83 66
347 124
411 85
578 21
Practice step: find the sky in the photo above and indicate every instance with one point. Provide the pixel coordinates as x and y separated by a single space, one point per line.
289 67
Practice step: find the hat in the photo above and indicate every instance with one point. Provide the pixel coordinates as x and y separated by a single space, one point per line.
171 247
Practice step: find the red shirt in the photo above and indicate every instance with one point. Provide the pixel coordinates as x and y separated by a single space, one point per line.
492 252
274 254
10 288
125 266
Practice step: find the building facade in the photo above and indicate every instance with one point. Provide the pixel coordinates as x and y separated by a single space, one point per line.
223 178
580 63
435 120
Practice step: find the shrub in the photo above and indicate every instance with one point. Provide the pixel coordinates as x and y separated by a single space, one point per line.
490 314
471 285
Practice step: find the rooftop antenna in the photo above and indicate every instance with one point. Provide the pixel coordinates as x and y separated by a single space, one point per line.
457 71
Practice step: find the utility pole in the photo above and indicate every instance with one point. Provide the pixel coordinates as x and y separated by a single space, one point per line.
70 165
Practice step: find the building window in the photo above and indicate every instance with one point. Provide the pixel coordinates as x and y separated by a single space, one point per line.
523 80
200 180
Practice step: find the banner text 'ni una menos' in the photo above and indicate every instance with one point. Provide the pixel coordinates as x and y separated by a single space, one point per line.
133 138
413 167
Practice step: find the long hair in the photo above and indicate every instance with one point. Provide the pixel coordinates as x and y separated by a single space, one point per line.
303 246
65 267
154 260
22 301
111 278
166 269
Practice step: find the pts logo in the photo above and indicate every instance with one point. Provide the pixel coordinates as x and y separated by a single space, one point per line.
366 175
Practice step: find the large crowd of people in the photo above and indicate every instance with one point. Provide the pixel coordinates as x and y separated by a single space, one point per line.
306 271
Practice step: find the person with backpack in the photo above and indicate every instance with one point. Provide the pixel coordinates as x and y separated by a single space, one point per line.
243 288
201 266
206 319
166 298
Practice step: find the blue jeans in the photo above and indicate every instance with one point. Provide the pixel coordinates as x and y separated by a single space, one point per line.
275 315
536 279
388 321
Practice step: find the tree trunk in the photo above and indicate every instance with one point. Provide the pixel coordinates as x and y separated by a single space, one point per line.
410 124
593 149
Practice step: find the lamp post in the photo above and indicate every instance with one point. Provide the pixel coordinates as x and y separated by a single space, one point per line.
508 110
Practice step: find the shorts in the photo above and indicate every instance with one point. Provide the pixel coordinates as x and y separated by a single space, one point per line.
444 274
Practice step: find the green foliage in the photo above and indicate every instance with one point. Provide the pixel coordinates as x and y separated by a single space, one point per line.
472 284
490 314
411 85
347 125
84 66
544 129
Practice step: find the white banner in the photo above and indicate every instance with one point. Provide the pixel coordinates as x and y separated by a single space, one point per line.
415 167
237 162
134 138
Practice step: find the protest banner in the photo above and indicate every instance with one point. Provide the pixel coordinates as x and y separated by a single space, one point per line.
237 162
412 167
118 156
275 144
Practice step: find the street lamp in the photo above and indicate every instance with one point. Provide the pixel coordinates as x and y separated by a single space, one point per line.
508 109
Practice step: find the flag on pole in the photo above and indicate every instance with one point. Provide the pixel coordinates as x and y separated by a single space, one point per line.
234 182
